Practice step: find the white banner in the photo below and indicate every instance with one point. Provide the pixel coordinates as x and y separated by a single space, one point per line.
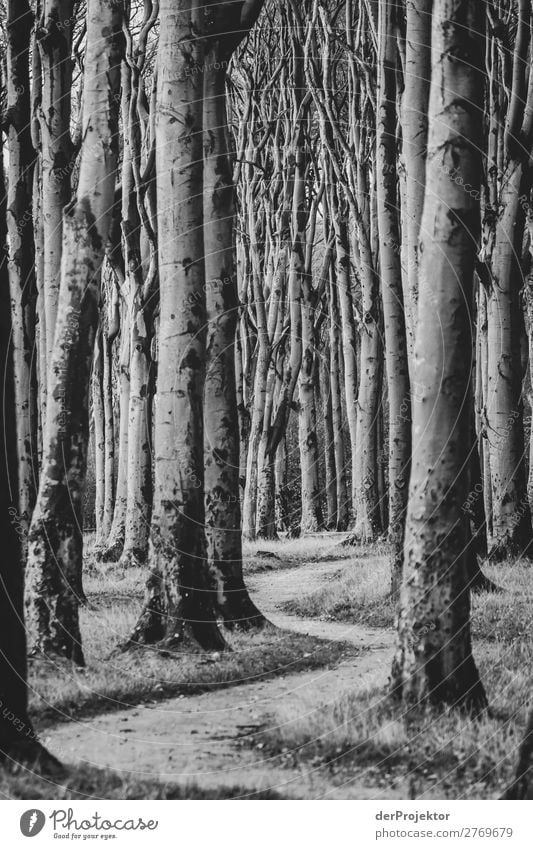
267 824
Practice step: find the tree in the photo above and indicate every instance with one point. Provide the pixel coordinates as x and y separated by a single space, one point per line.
433 660
181 593
21 159
391 290
55 546
18 740
509 182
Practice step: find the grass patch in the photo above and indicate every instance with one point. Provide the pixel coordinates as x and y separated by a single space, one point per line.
89 783
113 680
355 593
430 754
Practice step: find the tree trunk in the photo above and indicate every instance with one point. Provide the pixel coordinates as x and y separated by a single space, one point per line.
55 549
343 502
392 293
18 740
114 545
511 517
21 251
54 43
434 661
329 439
180 598
414 135
221 439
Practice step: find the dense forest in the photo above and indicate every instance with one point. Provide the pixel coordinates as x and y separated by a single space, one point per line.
267 288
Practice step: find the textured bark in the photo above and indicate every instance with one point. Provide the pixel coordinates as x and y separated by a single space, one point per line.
434 662
54 41
99 443
18 740
511 517
343 502
55 549
329 440
21 250
265 332
509 182
347 329
112 550
312 519
367 518
138 490
414 134
392 292
180 596
221 451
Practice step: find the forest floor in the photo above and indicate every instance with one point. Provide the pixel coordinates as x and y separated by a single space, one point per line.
299 711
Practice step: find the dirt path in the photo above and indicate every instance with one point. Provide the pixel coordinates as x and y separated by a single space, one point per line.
199 739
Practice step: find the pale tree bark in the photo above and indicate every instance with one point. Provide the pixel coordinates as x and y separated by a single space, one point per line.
138 285
511 517
114 544
329 439
55 549
335 373
18 740
221 435
101 520
391 291
180 600
54 42
21 159
414 135
433 662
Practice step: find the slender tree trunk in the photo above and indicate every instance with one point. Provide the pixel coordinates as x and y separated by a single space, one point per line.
21 250
112 550
312 519
99 443
18 740
392 293
329 439
343 503
55 549
511 517
221 440
414 134
434 661
54 43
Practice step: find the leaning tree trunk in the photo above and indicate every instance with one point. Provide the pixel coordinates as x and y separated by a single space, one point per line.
392 293
433 662
55 548
180 600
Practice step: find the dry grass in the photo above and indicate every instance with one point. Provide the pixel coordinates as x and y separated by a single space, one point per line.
430 754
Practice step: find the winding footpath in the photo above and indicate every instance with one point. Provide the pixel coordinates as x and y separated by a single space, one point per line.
201 739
